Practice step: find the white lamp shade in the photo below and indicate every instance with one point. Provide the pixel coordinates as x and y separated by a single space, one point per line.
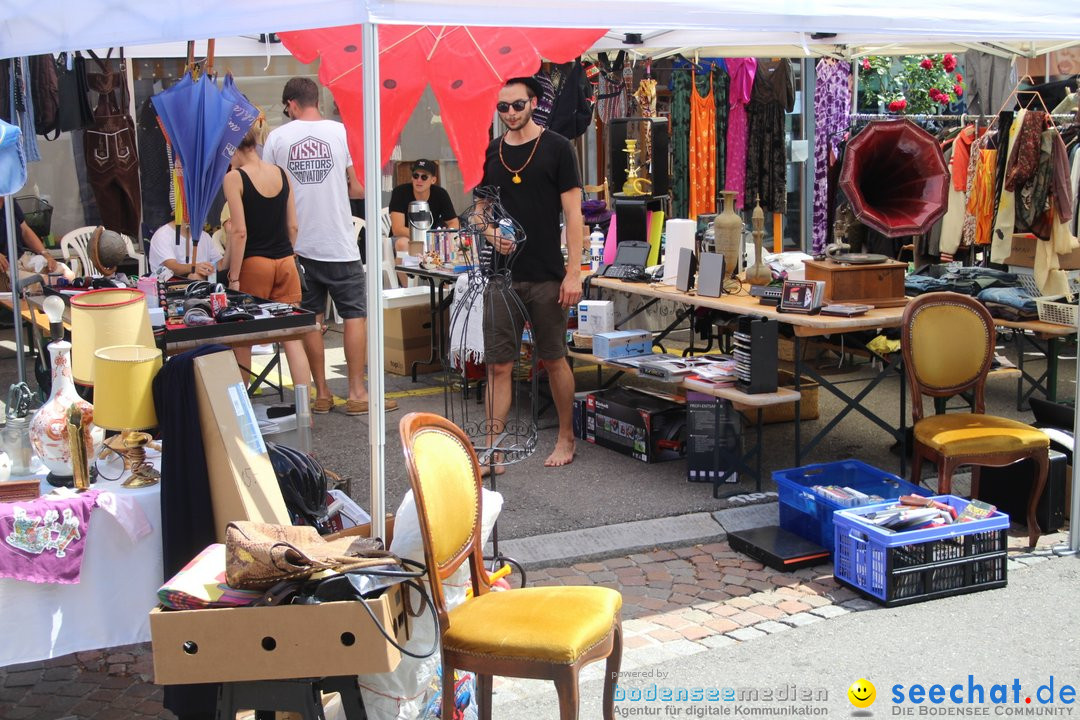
124 387
104 318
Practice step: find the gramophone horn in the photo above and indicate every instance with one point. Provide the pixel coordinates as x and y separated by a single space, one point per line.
895 178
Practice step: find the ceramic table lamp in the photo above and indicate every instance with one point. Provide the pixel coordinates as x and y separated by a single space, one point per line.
124 400
102 318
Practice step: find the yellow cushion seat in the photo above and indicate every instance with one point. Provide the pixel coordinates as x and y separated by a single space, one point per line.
971 434
551 624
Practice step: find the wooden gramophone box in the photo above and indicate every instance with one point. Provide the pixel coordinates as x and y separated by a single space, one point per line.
880 284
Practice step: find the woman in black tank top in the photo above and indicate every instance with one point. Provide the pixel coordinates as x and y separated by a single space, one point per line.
260 241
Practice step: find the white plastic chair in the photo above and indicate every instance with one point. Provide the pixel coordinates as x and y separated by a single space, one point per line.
75 246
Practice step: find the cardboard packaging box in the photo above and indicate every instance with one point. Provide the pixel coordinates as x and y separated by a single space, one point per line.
637 424
275 643
1023 253
595 316
713 438
581 413
622 343
407 339
243 485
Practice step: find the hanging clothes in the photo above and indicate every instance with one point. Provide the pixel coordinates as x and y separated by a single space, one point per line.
155 172
981 199
18 97
681 83
720 84
772 96
832 111
112 161
741 71
1005 217
989 79
702 147
611 90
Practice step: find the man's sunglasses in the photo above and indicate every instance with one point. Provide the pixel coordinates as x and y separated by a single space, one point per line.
518 106
420 176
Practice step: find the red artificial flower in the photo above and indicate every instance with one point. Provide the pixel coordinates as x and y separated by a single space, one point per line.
865 64
903 103
934 93
894 106
958 90
949 62
943 98
959 78
926 64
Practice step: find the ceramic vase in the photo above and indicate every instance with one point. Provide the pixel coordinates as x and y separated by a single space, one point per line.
758 273
727 230
48 428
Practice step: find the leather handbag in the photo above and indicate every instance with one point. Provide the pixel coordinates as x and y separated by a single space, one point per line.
260 555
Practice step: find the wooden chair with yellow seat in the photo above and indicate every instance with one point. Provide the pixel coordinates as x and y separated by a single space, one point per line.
948 344
544 632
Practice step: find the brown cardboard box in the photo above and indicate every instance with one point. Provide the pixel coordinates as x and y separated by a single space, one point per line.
1023 254
401 324
243 485
398 361
273 643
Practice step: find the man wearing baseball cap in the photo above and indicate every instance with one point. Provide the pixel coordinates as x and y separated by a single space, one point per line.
422 187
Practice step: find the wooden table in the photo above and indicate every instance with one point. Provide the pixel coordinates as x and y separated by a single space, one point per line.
1046 338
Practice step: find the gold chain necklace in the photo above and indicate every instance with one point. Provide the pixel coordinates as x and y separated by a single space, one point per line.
517 176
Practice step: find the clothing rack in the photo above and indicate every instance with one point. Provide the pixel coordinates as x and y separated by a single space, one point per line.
858 117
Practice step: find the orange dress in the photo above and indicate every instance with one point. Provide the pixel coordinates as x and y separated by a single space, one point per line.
702 152
981 200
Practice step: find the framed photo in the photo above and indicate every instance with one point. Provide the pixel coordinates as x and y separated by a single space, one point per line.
802 296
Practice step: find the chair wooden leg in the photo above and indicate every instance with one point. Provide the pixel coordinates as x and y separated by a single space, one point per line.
566 684
1042 467
447 691
945 472
976 478
916 467
611 669
483 696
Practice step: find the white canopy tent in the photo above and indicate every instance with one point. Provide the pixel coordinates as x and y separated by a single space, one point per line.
784 27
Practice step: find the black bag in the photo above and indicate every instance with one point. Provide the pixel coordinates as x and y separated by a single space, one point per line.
572 111
45 90
74 112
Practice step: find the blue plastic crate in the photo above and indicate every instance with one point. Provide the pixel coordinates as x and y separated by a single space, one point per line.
909 566
809 515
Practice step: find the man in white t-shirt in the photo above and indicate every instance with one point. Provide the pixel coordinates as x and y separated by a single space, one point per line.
164 250
315 154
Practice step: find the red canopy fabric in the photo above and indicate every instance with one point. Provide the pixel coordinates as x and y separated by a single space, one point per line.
895 177
466 67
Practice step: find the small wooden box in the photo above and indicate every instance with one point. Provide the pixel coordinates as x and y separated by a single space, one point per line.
880 284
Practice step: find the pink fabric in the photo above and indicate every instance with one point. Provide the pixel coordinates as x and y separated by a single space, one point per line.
127 512
741 71
43 540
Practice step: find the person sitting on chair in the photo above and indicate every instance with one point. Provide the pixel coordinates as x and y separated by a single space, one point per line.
165 251
422 187
27 246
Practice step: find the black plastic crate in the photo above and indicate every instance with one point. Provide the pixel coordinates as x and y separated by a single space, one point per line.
38 214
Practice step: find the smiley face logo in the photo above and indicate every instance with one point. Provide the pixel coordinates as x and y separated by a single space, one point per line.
862 693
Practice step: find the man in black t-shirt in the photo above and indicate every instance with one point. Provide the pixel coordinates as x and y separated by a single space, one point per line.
422 187
26 240
537 176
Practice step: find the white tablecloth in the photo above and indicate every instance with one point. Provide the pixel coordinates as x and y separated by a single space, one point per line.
110 604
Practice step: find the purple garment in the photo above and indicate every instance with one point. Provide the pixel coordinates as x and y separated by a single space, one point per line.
741 72
43 540
832 108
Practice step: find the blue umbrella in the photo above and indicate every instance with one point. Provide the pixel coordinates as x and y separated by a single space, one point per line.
203 125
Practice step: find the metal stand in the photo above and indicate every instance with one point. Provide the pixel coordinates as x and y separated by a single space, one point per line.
303 696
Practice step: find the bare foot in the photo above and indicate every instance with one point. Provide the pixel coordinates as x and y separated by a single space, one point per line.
485 470
563 454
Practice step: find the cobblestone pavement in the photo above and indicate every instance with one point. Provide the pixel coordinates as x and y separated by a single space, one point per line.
675 602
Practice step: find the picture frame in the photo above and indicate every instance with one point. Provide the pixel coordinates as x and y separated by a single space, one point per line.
802 296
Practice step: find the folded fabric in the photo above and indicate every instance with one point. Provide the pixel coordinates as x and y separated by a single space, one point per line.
201 584
1018 298
43 540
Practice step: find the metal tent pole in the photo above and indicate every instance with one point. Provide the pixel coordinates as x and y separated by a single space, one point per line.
16 305
372 203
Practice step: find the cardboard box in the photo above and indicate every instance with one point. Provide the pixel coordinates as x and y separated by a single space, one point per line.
596 316
404 326
243 485
398 361
622 343
581 414
713 438
637 424
808 409
1023 253
274 643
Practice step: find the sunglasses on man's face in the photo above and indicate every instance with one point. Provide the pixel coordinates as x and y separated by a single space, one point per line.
420 176
518 106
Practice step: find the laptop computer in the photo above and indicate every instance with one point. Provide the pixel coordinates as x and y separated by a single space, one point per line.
630 259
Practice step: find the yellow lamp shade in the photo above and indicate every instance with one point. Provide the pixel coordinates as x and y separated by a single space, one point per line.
103 318
123 387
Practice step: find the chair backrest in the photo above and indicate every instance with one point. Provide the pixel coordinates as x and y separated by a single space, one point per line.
75 246
948 344
140 258
445 478
385 225
389 274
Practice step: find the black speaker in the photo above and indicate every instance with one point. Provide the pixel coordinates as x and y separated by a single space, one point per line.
653 156
1008 487
687 269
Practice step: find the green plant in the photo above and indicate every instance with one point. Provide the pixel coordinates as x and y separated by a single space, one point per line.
914 84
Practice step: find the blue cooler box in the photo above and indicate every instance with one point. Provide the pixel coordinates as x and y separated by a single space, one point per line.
810 515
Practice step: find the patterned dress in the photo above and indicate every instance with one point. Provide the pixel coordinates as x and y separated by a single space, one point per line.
766 156
741 71
832 108
681 82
